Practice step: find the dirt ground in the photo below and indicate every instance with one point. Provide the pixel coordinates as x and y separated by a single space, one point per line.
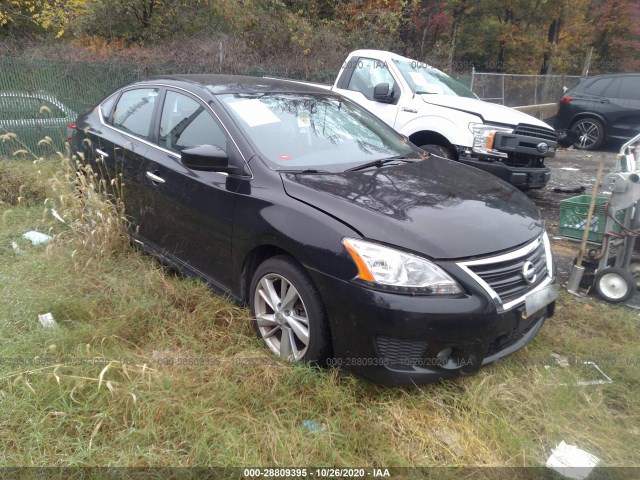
571 169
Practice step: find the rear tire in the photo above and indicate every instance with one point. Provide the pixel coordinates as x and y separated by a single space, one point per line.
591 133
615 285
439 151
288 311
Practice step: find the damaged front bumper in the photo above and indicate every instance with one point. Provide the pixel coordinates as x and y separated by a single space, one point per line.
522 177
522 163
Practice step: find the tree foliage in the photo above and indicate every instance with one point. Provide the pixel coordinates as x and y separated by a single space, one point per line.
519 36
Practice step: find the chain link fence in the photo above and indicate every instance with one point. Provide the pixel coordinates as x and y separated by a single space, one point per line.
515 90
39 97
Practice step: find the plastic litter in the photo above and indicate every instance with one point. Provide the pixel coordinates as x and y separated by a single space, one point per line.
57 216
601 381
571 461
37 238
47 320
15 246
601 378
313 426
570 169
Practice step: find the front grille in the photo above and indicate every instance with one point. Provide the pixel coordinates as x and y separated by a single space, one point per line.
506 278
536 132
401 351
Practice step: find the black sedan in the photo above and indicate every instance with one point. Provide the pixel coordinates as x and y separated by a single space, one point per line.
352 246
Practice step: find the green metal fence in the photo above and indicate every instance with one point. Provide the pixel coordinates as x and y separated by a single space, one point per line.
39 97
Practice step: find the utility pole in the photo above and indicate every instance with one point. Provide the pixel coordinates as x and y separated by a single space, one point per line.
587 62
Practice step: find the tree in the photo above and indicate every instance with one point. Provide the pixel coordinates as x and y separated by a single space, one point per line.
50 16
617 34
458 10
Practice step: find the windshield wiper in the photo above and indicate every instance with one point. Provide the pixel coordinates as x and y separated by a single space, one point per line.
308 170
380 163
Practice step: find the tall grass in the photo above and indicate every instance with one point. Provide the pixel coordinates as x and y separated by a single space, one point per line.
147 367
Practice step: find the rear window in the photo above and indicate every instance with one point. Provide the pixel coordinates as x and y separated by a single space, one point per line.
107 106
598 87
134 111
629 88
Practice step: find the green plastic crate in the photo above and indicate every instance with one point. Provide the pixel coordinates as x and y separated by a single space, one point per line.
573 218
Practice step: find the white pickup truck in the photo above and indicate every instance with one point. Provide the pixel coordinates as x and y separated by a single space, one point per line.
445 118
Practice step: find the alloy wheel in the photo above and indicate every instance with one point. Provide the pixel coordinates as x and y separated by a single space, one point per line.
281 317
589 132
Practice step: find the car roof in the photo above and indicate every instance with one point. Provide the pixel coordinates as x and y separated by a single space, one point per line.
221 84
607 75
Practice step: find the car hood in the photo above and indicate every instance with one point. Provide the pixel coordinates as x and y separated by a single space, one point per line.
490 112
435 207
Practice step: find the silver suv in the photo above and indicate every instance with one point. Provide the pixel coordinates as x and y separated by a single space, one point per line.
32 116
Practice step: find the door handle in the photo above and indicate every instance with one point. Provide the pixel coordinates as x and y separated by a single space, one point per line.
102 153
154 178
605 101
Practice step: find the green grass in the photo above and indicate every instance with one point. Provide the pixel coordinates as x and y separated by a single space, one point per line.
246 408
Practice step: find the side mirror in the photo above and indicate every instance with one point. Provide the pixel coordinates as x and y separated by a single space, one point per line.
207 158
382 94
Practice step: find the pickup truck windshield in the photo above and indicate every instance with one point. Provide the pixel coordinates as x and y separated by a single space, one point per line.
425 79
306 131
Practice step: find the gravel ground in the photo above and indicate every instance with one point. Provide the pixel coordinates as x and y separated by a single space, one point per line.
564 175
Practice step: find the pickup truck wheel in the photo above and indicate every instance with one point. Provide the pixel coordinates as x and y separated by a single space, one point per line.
590 133
439 151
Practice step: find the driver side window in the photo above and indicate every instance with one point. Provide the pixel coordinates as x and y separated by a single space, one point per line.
367 74
186 123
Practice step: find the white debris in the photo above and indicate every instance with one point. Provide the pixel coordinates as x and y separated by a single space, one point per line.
602 381
451 439
57 216
15 246
600 378
570 169
37 238
561 360
47 320
571 461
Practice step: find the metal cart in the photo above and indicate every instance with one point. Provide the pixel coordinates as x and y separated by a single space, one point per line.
616 278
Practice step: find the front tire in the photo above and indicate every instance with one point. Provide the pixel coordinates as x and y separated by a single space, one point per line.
288 311
439 151
615 285
591 133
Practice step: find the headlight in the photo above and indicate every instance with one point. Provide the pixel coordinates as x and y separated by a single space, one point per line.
483 136
398 271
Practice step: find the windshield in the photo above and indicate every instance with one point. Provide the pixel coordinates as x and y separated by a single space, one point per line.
299 131
425 79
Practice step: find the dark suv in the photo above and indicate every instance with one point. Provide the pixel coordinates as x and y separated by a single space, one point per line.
600 108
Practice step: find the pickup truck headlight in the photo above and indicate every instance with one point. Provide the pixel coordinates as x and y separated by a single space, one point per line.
398 271
483 136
